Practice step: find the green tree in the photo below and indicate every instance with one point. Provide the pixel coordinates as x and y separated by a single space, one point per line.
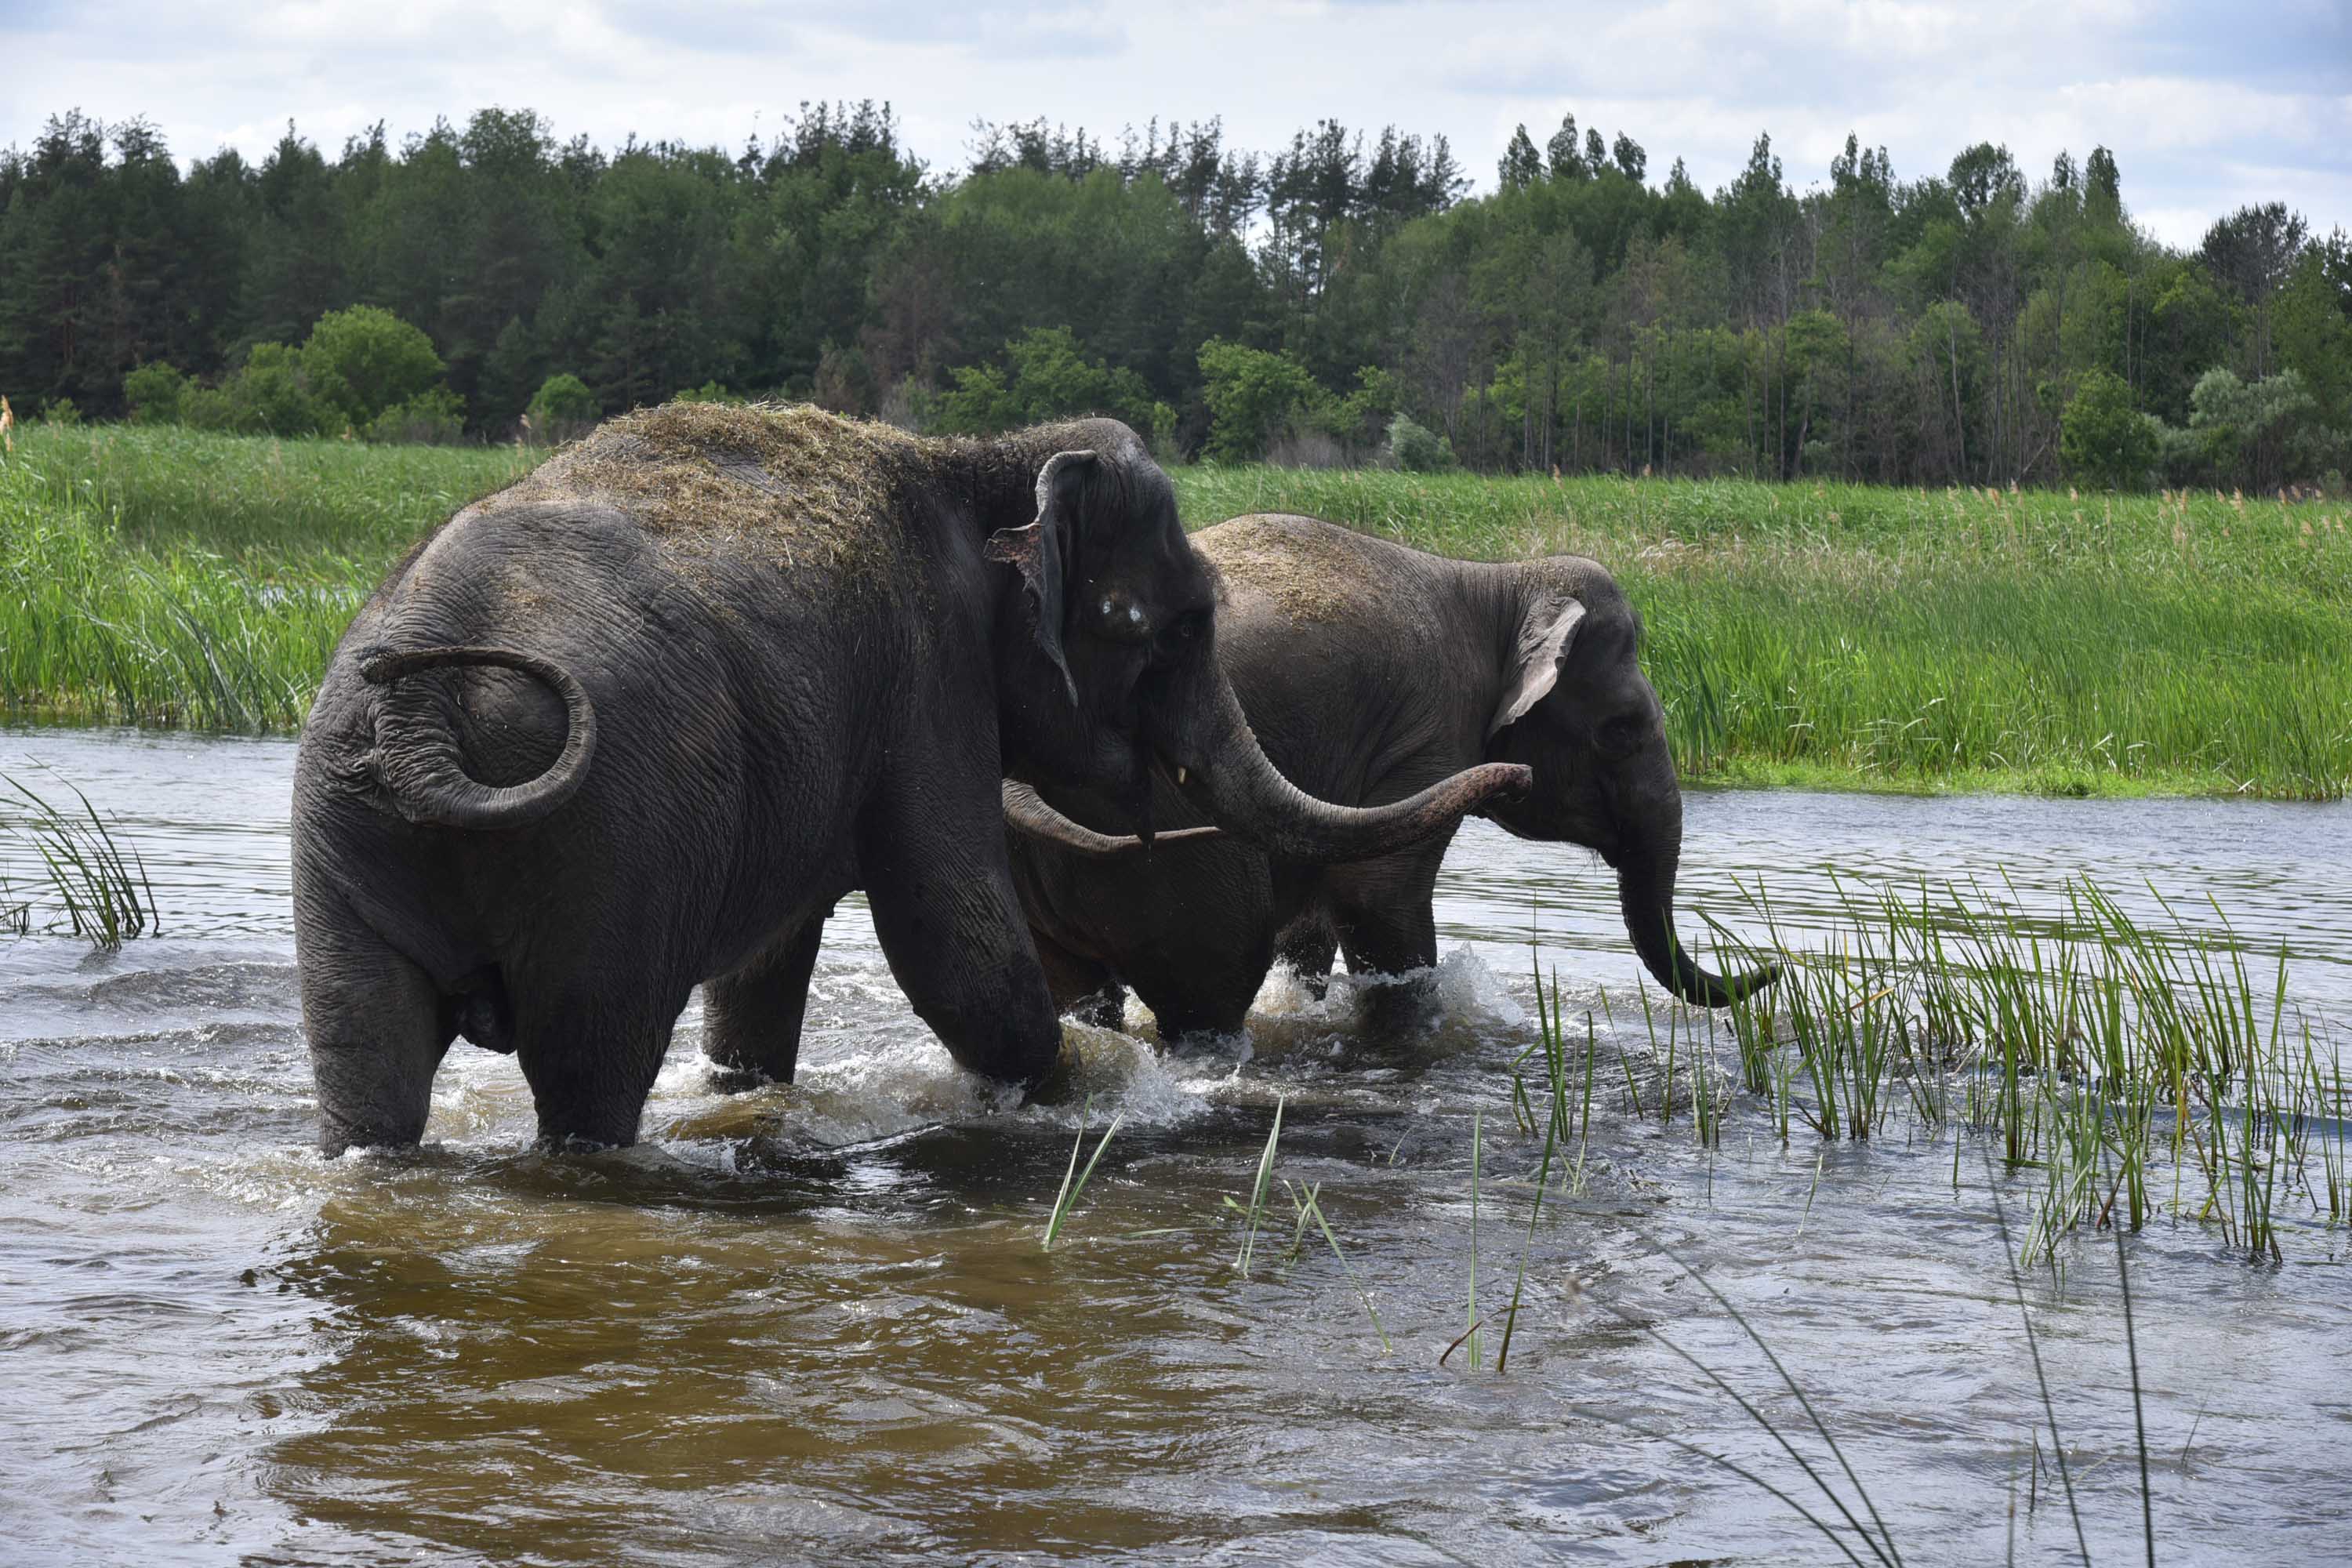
361 362
153 393
2104 439
563 408
268 395
1046 376
1521 164
1253 397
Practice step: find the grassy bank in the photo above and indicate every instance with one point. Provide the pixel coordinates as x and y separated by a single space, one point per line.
1830 634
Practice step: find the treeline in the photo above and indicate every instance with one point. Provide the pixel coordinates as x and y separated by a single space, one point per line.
1326 300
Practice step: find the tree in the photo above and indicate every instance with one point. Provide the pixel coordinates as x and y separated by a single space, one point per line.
561 407
153 393
1631 162
1047 377
1521 164
1253 397
1565 153
361 362
2105 439
2251 252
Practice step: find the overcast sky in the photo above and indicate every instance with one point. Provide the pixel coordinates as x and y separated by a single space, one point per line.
2207 106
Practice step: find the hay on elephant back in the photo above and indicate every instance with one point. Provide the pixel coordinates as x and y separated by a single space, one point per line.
1313 570
812 490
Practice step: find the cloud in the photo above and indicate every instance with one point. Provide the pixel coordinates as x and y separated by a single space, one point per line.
2204 111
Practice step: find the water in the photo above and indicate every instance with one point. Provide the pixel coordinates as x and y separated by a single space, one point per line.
814 1323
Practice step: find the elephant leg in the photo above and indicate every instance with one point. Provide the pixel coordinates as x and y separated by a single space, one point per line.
1201 1006
1308 945
376 1027
1387 926
753 1018
952 929
1083 988
591 1046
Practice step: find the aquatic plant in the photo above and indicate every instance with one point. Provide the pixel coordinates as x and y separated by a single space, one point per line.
1254 1213
93 628
104 891
1074 1181
1307 1201
2107 1055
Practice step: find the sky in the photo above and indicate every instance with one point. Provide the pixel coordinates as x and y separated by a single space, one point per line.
2207 107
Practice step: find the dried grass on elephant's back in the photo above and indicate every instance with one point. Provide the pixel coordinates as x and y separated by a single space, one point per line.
1314 570
806 488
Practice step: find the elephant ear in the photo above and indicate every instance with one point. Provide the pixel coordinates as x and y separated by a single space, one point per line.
1544 637
1039 549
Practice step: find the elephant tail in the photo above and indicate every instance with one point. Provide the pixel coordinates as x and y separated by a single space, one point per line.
417 760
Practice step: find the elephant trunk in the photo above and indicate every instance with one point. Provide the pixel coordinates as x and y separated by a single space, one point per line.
1028 813
1646 866
1244 793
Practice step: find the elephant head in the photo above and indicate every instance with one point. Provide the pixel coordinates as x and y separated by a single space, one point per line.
1111 675
1576 708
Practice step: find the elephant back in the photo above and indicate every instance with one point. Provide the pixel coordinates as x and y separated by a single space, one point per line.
805 489
1310 570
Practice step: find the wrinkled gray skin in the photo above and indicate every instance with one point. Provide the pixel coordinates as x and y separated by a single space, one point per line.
657 758
1369 670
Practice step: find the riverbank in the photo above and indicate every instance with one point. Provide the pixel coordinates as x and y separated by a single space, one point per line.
1831 636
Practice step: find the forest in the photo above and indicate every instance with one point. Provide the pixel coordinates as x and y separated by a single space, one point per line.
1341 299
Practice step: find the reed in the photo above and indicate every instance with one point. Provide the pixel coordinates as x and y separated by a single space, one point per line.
261 499
92 628
101 889
1253 1214
2138 1067
1074 1181
1821 633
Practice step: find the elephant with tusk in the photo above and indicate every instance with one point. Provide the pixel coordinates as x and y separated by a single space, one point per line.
1368 672
635 723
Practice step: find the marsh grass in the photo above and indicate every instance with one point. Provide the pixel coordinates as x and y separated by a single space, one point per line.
2138 1068
93 628
1823 633
260 499
1253 1214
101 889
1307 1201
1074 1181
1831 635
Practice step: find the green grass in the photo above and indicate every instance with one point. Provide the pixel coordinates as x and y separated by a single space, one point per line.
1823 635
102 893
345 507
2132 1069
1847 634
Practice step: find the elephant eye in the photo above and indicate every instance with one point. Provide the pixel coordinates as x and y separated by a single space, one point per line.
1183 630
1623 734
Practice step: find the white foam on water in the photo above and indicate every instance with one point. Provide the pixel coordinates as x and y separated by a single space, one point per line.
1467 994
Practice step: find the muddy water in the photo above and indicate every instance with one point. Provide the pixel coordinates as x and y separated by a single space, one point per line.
814 1323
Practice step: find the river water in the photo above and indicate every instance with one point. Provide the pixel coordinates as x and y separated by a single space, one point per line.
815 1323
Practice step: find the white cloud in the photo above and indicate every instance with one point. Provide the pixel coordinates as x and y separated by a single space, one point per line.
2203 113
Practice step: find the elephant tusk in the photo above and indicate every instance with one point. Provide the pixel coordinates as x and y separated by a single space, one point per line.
1180 774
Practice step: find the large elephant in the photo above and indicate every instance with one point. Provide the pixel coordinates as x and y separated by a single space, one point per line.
1369 672
638 721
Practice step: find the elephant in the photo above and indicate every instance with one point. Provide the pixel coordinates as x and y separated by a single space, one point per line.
638 721
1370 670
